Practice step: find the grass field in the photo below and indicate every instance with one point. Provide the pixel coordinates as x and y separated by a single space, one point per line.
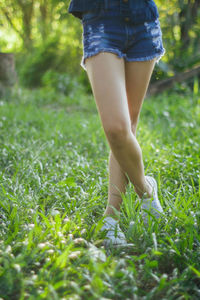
53 192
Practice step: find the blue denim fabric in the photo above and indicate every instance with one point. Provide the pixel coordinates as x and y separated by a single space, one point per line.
115 30
139 10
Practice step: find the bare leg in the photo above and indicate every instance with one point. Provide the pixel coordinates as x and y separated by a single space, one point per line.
117 185
106 73
138 75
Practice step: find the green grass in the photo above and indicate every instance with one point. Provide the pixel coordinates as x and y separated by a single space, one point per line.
53 191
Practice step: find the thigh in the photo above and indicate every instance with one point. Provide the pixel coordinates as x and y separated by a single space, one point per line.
107 77
137 76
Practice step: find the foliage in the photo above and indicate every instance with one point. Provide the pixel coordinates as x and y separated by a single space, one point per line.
61 82
49 21
181 27
37 63
53 191
27 25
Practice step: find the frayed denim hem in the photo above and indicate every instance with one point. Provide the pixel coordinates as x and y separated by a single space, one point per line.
150 57
122 55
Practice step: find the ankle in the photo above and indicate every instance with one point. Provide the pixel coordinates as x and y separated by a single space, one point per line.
145 192
110 213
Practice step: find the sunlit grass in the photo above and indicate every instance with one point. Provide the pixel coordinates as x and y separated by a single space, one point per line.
53 191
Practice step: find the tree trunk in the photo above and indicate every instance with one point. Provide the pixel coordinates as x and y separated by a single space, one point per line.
27 9
8 74
187 15
162 85
44 19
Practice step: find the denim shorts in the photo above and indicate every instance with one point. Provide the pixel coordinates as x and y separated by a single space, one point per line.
110 31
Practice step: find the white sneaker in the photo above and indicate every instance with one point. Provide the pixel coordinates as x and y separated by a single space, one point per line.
114 235
152 204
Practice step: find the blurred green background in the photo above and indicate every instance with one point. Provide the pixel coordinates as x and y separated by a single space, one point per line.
47 41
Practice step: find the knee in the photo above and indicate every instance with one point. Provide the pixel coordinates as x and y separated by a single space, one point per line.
117 133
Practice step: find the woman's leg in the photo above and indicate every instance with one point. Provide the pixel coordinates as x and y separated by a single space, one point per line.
106 73
117 185
137 76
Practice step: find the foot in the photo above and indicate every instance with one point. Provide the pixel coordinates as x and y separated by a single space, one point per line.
114 235
152 204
